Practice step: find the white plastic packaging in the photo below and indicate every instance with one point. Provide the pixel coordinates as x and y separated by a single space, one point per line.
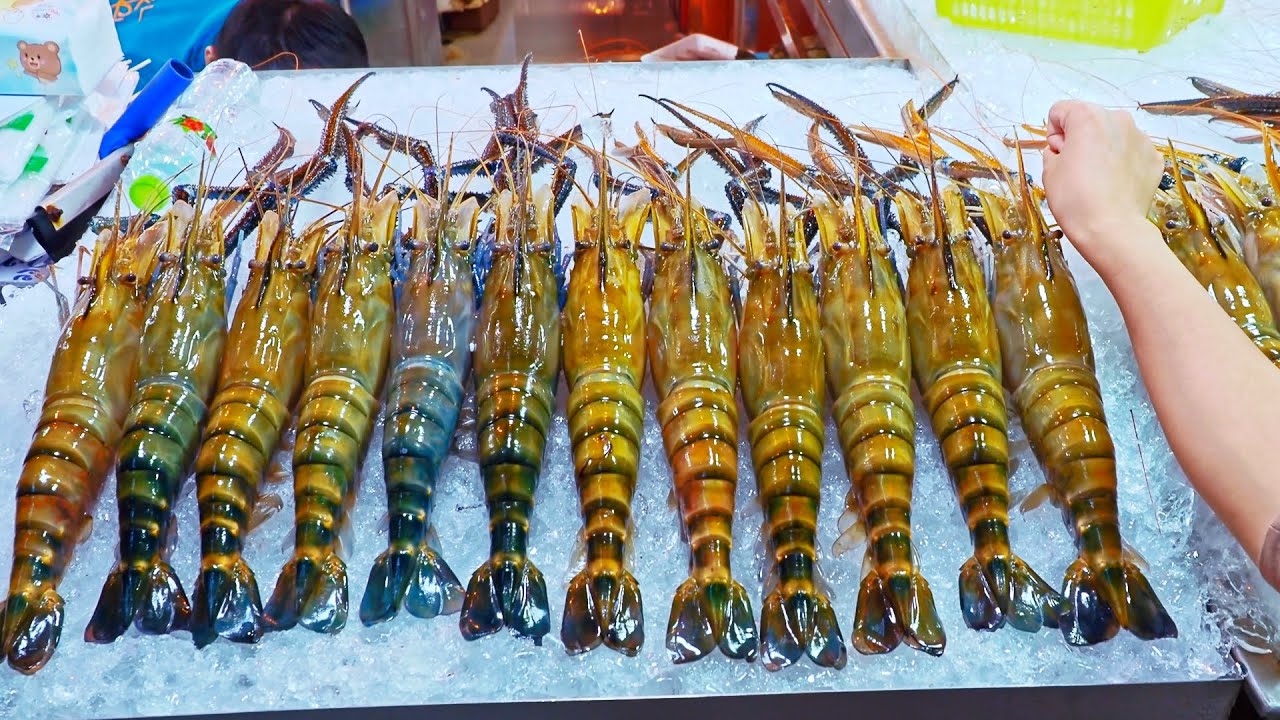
209 114
20 135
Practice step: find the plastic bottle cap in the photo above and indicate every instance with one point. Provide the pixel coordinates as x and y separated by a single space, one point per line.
149 193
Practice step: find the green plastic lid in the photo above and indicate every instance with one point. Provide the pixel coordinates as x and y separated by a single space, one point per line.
149 193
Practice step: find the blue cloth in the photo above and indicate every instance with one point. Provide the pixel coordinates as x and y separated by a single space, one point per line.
168 29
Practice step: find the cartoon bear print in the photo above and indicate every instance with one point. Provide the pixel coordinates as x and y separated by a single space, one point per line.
41 60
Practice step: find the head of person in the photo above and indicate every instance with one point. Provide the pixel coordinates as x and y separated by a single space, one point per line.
289 35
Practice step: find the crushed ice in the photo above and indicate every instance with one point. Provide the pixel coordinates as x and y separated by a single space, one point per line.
409 661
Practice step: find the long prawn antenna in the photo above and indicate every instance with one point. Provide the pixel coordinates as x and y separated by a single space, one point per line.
1268 154
602 216
784 241
940 232
939 222
686 227
1195 211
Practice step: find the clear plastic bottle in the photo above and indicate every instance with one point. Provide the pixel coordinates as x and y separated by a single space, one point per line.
210 115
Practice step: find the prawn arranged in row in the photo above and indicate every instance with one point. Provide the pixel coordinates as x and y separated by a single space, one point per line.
603 334
781 370
693 352
86 400
955 354
350 340
1048 368
516 363
431 356
182 341
868 361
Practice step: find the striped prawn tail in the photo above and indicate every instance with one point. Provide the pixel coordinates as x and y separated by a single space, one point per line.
508 590
160 438
244 427
700 431
603 604
969 417
1109 597
422 410
797 618
72 443
333 427
895 605
1106 589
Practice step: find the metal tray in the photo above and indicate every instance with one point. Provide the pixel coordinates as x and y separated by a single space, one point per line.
1168 701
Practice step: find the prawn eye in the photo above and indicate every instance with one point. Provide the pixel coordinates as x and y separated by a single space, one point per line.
1170 224
1057 234
837 246
84 281
1267 202
215 260
371 247
256 264
1007 235
130 278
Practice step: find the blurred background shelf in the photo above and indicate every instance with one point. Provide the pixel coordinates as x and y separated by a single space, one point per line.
407 32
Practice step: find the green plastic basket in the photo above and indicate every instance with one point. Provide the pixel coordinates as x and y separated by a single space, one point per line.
1131 24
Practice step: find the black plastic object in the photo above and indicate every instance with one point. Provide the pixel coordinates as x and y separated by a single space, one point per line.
58 242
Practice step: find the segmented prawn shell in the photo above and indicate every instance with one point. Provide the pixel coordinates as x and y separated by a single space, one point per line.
868 363
603 334
1048 369
955 356
430 360
781 368
516 363
258 388
346 364
86 399
182 341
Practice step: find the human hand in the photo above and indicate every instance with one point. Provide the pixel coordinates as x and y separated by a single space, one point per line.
693 47
1100 174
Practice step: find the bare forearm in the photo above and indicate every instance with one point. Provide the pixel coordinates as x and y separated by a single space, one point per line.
1216 396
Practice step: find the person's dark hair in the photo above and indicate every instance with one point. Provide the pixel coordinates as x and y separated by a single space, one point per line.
263 33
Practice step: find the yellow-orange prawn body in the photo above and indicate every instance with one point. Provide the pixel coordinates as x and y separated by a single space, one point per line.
603 335
781 369
955 355
1048 369
868 363
86 400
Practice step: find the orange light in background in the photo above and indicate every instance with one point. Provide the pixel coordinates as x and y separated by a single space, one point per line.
605 7
710 17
